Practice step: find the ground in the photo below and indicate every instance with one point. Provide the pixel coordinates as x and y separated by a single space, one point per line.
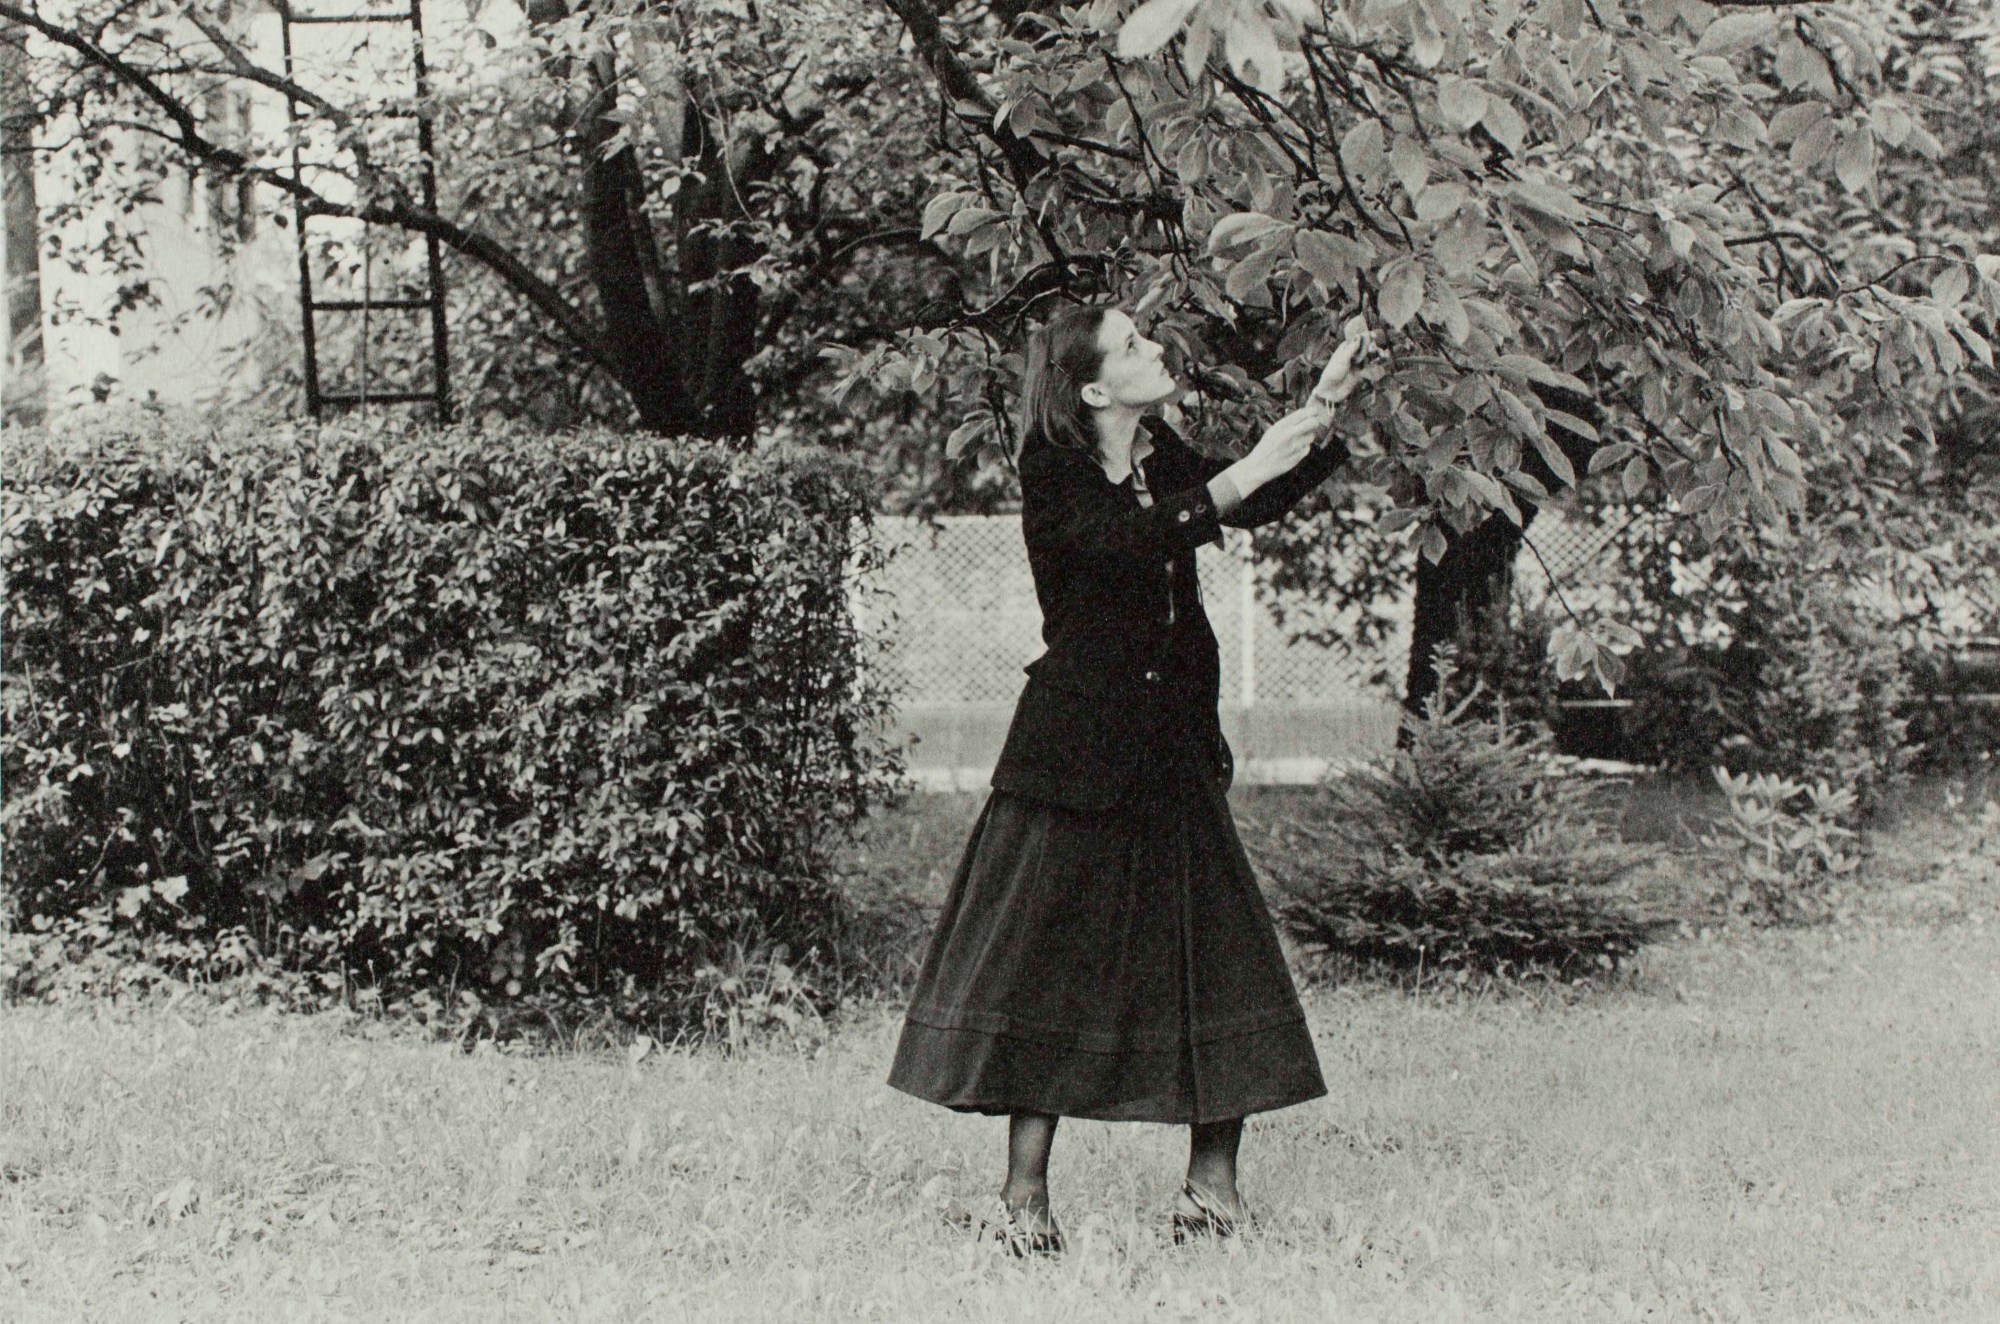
1759 1125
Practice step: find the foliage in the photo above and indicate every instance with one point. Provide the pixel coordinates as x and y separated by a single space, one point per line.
1840 647
1675 210
1465 849
536 715
1782 845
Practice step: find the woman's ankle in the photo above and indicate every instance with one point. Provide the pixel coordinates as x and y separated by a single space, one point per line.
1032 1197
1217 1188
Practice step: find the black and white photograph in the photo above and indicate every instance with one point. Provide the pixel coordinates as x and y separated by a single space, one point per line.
975 660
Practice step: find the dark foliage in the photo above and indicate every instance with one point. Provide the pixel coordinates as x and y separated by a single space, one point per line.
530 715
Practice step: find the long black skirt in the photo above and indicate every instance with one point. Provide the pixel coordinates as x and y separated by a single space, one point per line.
1120 966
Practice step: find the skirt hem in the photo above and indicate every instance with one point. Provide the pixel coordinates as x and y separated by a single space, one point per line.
1097 1041
1088 1113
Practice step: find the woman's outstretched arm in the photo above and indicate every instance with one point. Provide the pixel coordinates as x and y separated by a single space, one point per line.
1245 502
1276 498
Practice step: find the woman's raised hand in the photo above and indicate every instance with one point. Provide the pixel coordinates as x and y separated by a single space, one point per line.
1342 374
1285 443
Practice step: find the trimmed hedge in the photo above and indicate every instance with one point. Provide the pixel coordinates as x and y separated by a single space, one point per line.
559 713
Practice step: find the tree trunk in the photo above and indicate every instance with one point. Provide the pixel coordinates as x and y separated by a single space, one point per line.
724 310
614 255
23 399
1475 574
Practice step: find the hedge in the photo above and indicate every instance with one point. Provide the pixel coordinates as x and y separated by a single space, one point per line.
424 706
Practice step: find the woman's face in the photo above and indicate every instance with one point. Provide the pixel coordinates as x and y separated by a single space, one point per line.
1134 373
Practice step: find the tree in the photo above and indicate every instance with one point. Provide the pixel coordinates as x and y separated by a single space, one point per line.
1671 208
645 203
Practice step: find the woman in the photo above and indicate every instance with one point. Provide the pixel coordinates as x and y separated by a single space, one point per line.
1104 950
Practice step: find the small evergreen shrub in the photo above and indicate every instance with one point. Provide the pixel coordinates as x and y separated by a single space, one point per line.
515 715
1465 849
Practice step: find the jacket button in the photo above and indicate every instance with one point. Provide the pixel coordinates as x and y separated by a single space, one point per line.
1153 676
1184 517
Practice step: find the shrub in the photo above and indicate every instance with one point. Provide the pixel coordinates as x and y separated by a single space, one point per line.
1467 848
543 714
1769 657
1782 846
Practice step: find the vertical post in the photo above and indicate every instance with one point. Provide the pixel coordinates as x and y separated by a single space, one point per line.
299 223
433 258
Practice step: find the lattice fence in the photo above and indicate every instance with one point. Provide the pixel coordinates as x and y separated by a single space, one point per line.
958 612
961 615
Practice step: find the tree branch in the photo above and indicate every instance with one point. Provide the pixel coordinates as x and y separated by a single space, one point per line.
959 85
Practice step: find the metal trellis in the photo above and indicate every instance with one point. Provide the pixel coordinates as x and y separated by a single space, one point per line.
318 398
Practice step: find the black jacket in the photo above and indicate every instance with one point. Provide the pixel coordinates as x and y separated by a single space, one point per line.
1129 646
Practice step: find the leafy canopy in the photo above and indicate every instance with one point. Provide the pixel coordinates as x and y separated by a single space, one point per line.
1648 237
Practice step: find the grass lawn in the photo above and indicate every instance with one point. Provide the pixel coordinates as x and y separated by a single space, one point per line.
1760 1126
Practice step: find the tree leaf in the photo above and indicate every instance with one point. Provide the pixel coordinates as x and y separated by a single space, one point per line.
1950 286
1553 456
1547 199
965 434
1450 312
1519 416
1426 42
1251 46
1733 32
1361 149
1526 367
1330 259
1571 423
1441 200
1795 119
1401 292
940 210
1633 479
968 219
1461 101
1247 278
1854 163
1608 457
1410 165
1195 50
1151 26
1812 144
1241 228
1505 123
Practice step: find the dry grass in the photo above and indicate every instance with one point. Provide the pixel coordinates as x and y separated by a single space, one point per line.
1762 1126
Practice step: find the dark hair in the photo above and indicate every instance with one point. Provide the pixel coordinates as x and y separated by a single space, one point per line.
1062 357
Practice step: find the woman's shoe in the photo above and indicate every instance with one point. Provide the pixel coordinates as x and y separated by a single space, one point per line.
1011 1230
1206 1221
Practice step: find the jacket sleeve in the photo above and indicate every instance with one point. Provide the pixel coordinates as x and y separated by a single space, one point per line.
1267 503
1275 498
1060 519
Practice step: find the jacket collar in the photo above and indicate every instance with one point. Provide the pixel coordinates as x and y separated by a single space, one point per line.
1142 446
